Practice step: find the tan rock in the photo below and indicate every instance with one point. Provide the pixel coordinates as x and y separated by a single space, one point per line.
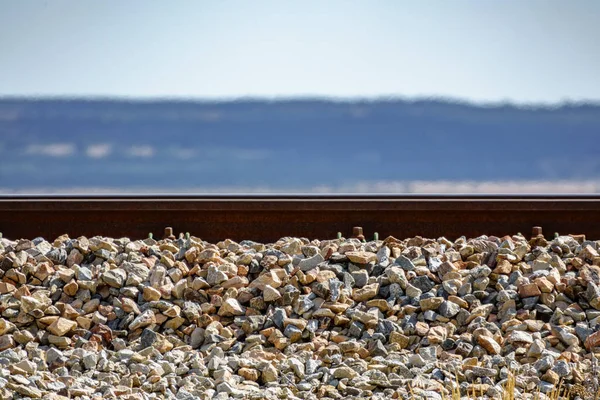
172 311
489 344
336 307
69 312
436 335
460 301
551 377
6 287
365 317
91 306
49 320
361 257
84 322
588 253
231 307
129 305
269 374
151 294
271 294
6 326
297 322
249 374
503 267
145 319
24 390
381 304
365 293
236 282
344 372
520 337
23 337
323 313
529 290
350 346
71 288
61 326
268 278
592 341
43 271
59 341
544 284
21 291
421 328
6 342
30 303
174 323
431 303
163 345
399 338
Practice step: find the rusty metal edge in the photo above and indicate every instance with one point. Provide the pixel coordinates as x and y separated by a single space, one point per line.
267 217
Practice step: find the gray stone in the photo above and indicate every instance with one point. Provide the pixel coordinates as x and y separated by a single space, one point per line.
360 278
309 263
448 309
405 263
378 349
423 283
562 368
84 273
148 338
413 292
115 277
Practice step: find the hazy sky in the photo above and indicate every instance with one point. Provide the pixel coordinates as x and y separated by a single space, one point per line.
516 50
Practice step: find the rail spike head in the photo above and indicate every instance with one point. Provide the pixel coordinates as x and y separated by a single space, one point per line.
150 235
376 236
339 235
536 231
357 232
169 233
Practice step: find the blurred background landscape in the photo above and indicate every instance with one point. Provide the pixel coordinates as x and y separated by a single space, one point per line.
296 146
347 97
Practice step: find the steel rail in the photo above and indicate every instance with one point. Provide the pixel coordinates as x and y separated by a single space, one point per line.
266 218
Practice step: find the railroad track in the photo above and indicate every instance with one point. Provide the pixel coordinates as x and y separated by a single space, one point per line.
266 218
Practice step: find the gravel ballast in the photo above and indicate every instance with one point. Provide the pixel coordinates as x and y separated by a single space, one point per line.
103 318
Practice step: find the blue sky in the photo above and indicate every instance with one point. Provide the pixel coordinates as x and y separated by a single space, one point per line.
512 50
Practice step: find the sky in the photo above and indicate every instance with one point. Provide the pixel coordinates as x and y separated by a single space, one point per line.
535 51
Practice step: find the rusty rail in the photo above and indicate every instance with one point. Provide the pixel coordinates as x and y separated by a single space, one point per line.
266 218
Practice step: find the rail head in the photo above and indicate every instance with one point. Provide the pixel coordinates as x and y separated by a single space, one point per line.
269 217
438 197
309 202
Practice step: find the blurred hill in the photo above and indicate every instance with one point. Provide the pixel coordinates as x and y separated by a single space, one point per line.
286 144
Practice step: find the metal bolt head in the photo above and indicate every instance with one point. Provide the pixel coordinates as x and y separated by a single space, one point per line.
357 232
169 233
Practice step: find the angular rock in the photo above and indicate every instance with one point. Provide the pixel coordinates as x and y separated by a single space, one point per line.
61 326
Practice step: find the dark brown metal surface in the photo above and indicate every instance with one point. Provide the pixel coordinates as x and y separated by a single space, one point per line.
267 218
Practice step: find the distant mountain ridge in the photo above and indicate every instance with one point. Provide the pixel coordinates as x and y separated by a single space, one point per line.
289 143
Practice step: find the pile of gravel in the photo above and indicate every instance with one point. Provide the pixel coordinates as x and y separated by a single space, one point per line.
185 319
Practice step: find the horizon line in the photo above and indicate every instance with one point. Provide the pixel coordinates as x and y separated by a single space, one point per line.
304 98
